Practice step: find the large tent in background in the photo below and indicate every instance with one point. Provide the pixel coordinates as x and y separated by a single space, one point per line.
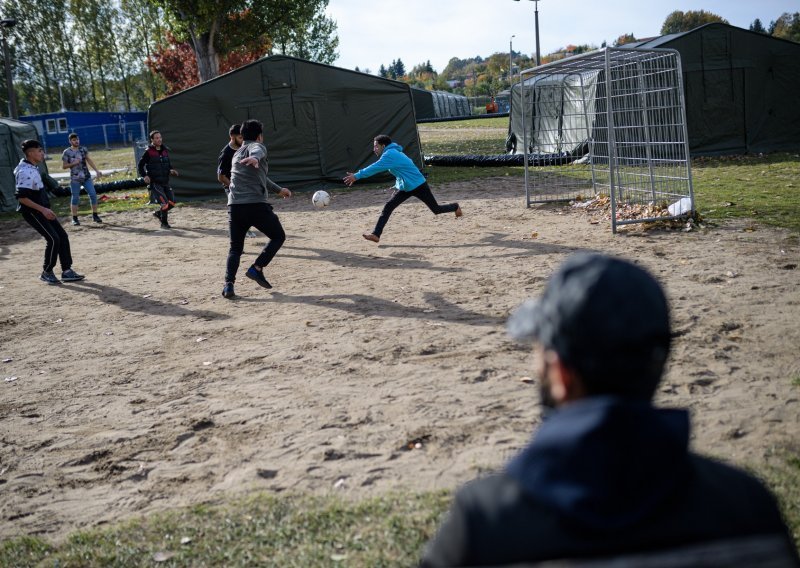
319 121
12 133
742 89
439 104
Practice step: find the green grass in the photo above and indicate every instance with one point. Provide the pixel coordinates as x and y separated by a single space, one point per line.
764 188
781 473
263 530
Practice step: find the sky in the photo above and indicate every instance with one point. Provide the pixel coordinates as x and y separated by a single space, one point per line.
375 32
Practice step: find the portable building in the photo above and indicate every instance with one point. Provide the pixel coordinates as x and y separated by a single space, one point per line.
94 128
319 121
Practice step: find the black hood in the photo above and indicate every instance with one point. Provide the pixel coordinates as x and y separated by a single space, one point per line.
605 462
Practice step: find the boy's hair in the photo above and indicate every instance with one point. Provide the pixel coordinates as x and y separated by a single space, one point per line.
153 133
73 135
251 129
235 130
29 145
383 140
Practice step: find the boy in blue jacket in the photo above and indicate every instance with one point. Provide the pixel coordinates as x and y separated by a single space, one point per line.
410 183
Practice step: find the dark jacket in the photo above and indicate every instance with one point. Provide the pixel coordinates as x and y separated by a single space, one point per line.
603 477
155 164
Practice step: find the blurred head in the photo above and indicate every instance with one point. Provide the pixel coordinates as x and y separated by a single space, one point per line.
74 140
603 319
379 144
251 130
235 132
155 138
33 151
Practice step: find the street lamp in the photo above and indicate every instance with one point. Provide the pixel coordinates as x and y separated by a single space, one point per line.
12 96
511 60
536 14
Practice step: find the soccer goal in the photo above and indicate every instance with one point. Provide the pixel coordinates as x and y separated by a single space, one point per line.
609 123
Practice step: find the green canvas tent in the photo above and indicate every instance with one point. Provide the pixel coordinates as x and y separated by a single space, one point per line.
12 133
741 89
319 122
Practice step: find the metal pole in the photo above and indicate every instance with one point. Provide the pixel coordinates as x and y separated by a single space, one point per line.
536 14
12 96
511 62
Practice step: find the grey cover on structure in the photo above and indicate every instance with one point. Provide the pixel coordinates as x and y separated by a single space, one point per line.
741 89
319 122
12 133
439 104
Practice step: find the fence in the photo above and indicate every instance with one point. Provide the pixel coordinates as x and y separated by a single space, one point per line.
611 121
117 133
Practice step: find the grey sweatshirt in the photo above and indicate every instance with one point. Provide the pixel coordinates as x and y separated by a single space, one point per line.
250 184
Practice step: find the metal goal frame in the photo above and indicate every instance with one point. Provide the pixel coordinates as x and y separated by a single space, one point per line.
609 121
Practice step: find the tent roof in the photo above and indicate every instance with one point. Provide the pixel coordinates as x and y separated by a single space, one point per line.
664 40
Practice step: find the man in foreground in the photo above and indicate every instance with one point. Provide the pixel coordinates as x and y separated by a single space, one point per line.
248 207
607 473
410 183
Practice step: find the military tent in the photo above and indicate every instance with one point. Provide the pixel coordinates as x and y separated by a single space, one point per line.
741 89
12 133
319 121
439 104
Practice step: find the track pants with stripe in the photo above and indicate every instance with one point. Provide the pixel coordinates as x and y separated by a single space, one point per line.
57 248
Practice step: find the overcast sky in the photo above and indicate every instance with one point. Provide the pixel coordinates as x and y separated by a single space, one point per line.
375 32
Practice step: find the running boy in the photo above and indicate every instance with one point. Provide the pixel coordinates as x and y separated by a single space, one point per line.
154 166
410 183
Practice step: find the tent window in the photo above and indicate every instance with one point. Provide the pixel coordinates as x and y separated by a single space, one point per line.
51 126
62 124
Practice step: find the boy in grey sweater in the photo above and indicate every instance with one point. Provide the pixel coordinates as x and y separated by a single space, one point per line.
248 207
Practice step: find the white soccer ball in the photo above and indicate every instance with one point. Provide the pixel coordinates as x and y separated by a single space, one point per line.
321 199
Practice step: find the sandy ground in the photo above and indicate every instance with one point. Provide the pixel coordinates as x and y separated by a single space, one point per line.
367 368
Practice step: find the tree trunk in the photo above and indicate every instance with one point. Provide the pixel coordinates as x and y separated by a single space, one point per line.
206 54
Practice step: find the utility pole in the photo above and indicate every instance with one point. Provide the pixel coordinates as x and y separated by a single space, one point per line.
511 61
536 15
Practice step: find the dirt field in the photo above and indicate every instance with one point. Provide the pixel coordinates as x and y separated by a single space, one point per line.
367 368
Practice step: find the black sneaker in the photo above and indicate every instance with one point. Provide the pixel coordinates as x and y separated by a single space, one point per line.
71 276
227 290
157 214
49 278
96 218
165 225
75 221
258 276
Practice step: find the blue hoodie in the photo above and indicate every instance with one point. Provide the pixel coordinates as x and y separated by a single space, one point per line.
399 165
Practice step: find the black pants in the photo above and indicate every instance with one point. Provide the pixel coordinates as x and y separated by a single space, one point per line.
57 247
423 193
163 196
240 219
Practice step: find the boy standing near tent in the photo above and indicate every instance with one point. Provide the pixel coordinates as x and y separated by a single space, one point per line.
410 183
34 205
75 159
154 166
248 207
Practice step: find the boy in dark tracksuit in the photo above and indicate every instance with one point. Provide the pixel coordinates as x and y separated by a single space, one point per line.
35 208
154 166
